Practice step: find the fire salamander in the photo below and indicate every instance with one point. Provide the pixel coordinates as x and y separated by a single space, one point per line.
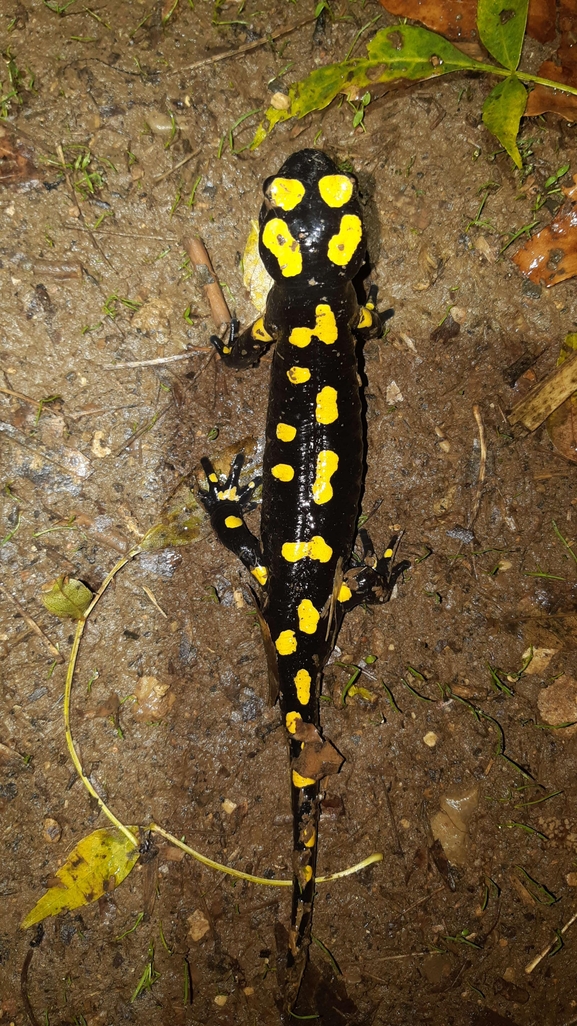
312 244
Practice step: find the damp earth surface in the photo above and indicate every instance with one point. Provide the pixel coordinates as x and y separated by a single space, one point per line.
126 137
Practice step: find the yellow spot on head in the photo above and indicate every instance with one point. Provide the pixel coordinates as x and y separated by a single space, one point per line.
213 478
307 873
388 554
366 318
286 193
327 410
228 493
298 375
308 616
291 720
325 328
327 465
277 238
233 522
261 574
336 190
286 432
343 245
286 643
316 548
299 781
259 331
303 686
283 472
310 842
344 594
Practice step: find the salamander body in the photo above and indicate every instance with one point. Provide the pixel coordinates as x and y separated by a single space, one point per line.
312 243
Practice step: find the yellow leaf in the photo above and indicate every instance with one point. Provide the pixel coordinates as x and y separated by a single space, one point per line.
67 598
98 864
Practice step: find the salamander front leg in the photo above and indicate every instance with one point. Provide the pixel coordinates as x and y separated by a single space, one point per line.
372 580
244 349
369 325
226 502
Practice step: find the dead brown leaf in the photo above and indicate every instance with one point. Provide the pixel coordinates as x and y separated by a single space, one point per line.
318 759
457 19
16 159
550 256
562 68
562 424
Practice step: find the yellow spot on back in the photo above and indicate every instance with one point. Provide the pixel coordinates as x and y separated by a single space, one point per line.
291 721
283 472
325 328
327 465
286 432
307 873
259 331
276 236
343 245
327 410
308 616
316 548
366 318
388 554
298 375
336 190
233 522
261 574
310 841
286 643
344 594
299 781
303 686
286 193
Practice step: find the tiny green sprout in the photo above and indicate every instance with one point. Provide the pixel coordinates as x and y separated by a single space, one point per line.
43 403
139 919
149 976
191 199
188 315
166 17
97 18
175 203
525 230
94 676
212 434
359 115
8 537
90 327
496 682
567 545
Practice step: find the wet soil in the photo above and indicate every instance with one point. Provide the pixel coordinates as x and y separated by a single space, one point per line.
449 772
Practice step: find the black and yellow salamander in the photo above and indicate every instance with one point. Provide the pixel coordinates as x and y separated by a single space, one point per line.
312 243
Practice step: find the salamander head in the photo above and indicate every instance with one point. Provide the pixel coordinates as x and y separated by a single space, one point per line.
311 229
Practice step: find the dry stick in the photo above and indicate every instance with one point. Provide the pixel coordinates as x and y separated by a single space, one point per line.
181 163
33 625
200 259
482 465
117 235
20 395
547 396
156 362
247 46
539 958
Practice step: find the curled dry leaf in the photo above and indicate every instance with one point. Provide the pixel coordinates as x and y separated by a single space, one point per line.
562 423
561 68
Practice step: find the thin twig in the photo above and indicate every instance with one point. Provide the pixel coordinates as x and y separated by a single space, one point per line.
117 235
157 361
97 247
482 465
33 625
244 49
185 160
20 395
539 958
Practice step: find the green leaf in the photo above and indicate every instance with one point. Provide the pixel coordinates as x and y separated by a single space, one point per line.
502 112
401 51
98 864
501 25
67 598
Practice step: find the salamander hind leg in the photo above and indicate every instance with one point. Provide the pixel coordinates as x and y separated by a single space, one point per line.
369 324
226 502
243 349
374 578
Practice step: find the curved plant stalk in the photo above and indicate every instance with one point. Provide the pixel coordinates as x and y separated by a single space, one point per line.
370 860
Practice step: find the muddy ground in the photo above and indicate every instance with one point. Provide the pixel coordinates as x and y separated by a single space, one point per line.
170 707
